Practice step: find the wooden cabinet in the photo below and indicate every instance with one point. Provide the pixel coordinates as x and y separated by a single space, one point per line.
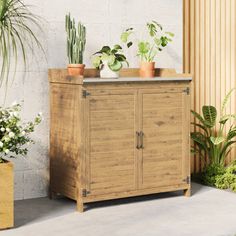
118 138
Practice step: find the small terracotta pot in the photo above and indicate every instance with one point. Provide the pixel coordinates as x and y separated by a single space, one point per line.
147 69
76 69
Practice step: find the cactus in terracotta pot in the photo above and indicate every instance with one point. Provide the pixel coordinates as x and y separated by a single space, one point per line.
76 41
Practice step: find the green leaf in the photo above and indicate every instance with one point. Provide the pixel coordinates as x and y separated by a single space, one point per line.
116 66
17 35
117 47
125 35
143 47
96 61
231 134
120 57
129 44
200 126
157 41
226 99
198 116
158 25
200 140
111 60
164 41
225 148
225 118
217 140
170 34
209 114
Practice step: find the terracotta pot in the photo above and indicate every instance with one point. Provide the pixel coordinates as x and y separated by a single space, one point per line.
147 69
76 69
6 196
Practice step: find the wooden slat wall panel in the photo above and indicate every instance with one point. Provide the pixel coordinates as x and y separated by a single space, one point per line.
209 54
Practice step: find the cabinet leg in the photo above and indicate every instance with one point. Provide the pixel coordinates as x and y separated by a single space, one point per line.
52 195
187 192
80 206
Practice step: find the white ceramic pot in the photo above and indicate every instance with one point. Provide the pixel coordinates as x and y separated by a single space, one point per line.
106 72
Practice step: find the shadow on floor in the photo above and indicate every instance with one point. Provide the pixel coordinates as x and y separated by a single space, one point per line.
33 210
131 200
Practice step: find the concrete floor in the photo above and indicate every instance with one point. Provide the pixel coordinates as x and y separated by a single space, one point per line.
209 212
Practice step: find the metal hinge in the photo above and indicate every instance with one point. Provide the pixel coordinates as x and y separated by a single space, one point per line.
85 94
187 90
187 180
85 193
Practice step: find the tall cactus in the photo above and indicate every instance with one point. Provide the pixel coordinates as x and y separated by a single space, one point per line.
76 40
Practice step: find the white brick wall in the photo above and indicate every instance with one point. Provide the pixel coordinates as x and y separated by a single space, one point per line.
104 19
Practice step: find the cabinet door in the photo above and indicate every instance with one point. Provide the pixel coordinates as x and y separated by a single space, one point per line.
110 147
165 124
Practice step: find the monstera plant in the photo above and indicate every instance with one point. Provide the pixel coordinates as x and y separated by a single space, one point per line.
211 140
16 35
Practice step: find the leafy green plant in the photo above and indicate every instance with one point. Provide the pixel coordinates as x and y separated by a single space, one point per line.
16 35
114 58
76 41
14 134
208 140
148 49
211 174
228 179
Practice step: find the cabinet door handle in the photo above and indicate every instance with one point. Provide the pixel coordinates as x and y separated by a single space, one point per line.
141 139
137 140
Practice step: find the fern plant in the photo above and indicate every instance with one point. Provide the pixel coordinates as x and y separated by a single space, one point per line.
211 142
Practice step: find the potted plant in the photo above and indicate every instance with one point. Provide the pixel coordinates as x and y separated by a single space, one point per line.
14 141
147 50
76 41
109 61
17 35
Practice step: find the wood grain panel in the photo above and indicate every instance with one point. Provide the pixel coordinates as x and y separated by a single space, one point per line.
6 195
164 148
64 139
111 153
209 54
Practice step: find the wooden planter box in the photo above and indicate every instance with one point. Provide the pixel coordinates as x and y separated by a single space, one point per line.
6 195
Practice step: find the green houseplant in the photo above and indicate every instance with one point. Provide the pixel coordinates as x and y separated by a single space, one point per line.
147 50
213 143
109 61
16 35
76 41
14 141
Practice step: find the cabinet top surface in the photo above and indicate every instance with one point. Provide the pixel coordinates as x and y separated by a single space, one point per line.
135 79
91 76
